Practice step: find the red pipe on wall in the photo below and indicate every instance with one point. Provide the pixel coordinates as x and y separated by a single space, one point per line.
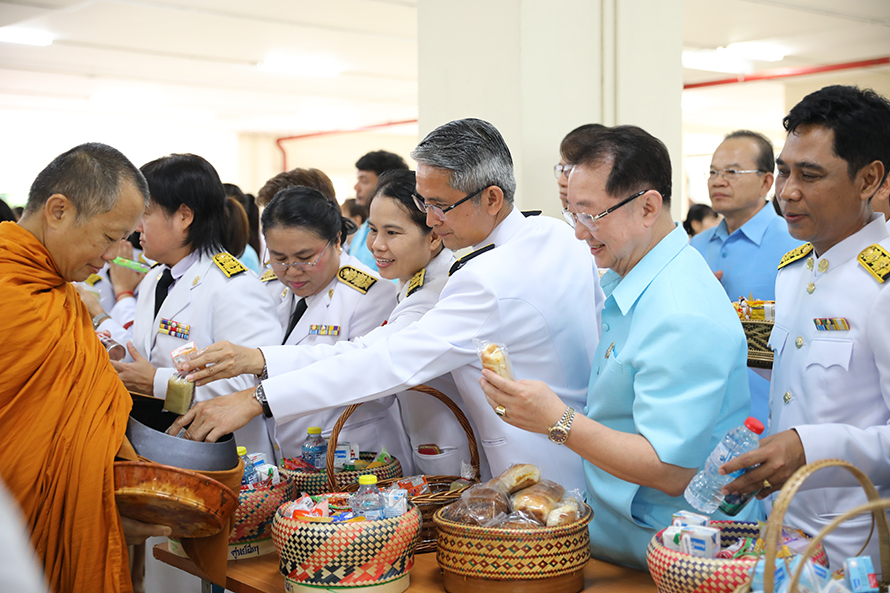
789 72
334 132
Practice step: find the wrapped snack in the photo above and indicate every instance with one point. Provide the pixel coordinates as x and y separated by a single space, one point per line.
180 393
484 502
379 461
567 510
518 477
494 357
513 521
297 464
755 310
467 476
414 485
538 500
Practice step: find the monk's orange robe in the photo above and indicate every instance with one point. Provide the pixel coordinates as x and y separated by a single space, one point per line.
63 413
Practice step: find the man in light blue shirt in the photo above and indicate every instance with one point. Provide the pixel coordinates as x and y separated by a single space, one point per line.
369 168
744 250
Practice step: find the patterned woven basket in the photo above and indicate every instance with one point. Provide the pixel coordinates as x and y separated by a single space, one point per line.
439 495
331 481
876 505
252 534
542 559
757 334
346 554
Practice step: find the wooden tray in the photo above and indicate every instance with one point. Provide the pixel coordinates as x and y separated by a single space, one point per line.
191 504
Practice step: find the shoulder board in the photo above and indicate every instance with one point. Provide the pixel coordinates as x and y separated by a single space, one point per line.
228 264
155 265
268 275
876 260
463 261
528 213
416 282
795 254
355 278
93 278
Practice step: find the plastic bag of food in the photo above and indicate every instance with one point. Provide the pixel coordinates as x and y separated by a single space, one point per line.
483 502
180 393
515 520
494 357
569 509
538 500
518 477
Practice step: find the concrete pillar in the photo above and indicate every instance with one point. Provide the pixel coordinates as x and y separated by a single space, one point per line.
537 69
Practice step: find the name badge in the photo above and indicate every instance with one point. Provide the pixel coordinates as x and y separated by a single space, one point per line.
174 328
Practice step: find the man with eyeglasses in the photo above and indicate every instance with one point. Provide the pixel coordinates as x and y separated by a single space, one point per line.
668 377
745 248
527 284
568 148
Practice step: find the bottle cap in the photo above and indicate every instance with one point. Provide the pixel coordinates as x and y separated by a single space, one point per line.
314 430
754 425
242 451
367 480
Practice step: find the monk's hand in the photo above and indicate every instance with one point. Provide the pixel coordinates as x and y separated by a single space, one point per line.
529 405
139 375
212 419
136 532
223 360
90 300
124 279
779 456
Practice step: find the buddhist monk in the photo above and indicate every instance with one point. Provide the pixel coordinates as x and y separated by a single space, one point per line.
63 409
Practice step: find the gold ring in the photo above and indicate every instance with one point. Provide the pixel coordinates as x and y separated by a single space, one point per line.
500 411
767 485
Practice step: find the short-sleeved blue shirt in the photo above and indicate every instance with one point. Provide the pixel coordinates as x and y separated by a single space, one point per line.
671 366
749 258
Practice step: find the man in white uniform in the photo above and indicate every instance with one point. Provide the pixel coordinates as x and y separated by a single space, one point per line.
527 284
830 390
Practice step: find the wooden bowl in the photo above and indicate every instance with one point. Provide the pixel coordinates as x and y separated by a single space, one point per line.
191 504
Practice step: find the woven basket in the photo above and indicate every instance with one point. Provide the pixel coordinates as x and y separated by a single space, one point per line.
875 504
331 481
757 334
357 554
539 559
252 534
439 495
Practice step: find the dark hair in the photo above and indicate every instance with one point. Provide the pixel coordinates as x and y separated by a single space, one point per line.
6 213
399 186
575 141
313 178
305 207
187 179
353 208
765 160
248 202
639 161
860 120
697 213
91 176
237 230
381 161
18 210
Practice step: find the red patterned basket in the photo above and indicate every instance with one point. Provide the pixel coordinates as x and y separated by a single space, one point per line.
346 555
252 534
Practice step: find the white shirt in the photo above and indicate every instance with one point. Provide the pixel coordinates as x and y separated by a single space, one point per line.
535 292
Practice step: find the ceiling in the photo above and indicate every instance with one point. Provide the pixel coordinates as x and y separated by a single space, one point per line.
198 58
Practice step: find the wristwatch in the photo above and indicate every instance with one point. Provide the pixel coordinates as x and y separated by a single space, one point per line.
98 319
260 396
559 432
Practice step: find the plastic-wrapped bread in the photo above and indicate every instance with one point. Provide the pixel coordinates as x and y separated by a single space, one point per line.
484 502
538 500
494 358
518 477
566 511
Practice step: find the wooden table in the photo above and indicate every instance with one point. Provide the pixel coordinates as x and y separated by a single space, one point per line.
260 575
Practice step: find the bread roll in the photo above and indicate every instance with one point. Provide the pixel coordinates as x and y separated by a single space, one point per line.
538 500
568 510
494 360
484 502
519 476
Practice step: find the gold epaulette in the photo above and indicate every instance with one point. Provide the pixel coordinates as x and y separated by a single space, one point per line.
795 254
876 260
228 264
355 278
268 275
92 279
463 261
416 282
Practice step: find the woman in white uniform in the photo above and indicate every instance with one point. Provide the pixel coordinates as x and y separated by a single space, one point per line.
323 296
406 250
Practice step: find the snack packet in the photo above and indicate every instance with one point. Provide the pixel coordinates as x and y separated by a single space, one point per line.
180 393
494 357
414 485
569 509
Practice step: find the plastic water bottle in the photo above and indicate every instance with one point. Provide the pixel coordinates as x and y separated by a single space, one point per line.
315 448
703 492
368 501
250 476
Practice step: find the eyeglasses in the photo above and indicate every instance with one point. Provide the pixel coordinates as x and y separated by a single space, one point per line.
441 212
728 174
560 170
300 265
590 220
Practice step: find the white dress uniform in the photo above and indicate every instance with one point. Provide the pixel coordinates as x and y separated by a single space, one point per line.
352 304
535 291
831 377
426 420
207 306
